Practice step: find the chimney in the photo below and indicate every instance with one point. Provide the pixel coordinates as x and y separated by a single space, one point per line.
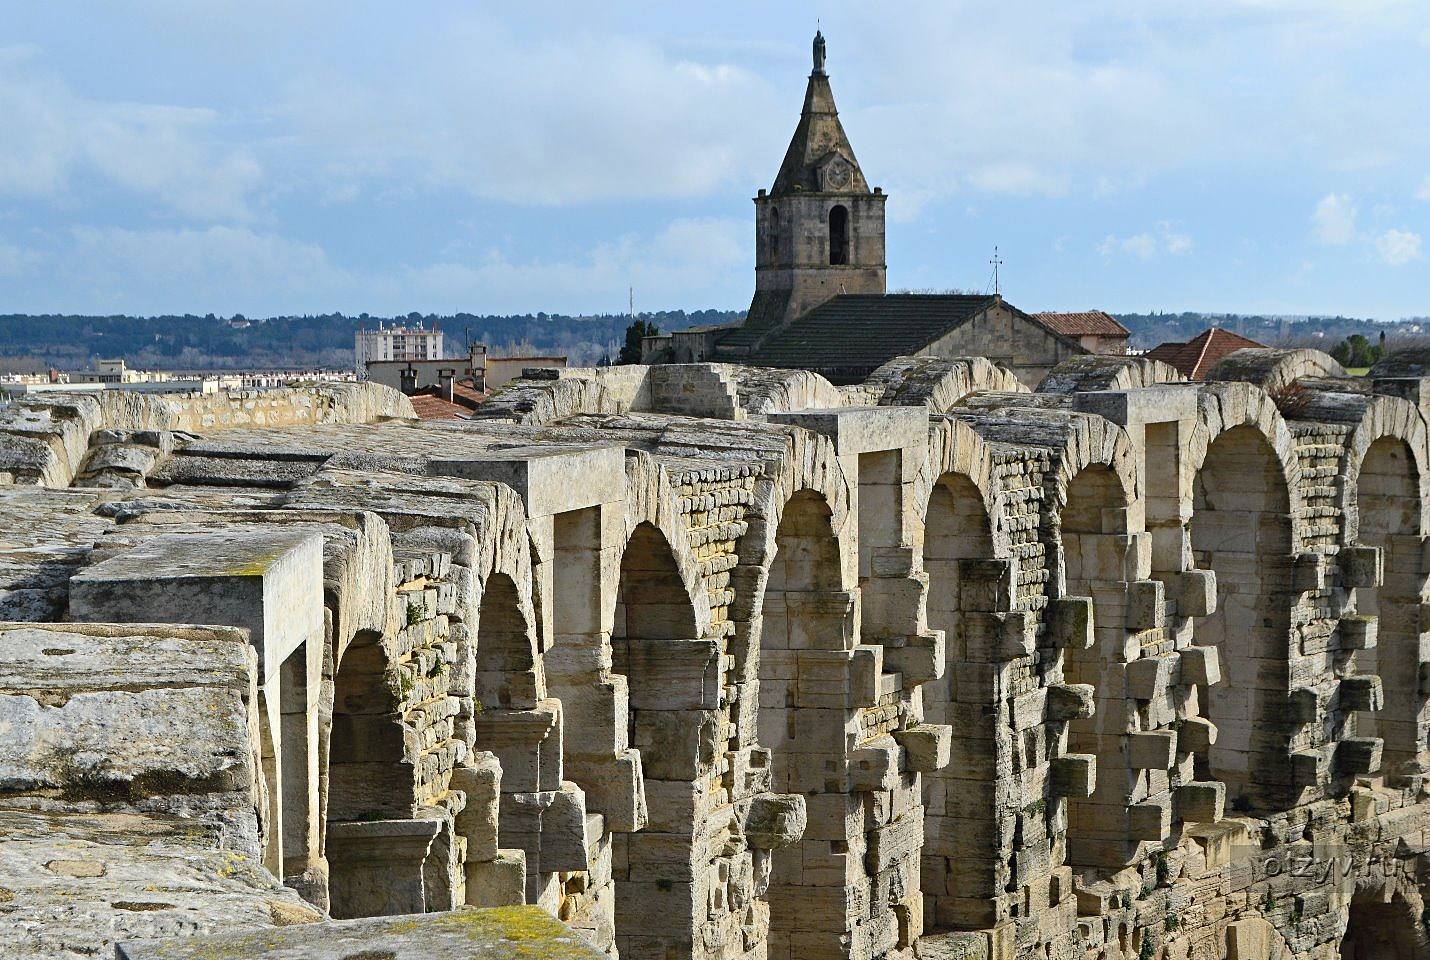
445 379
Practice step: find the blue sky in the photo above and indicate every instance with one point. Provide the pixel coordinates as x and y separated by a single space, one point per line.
275 156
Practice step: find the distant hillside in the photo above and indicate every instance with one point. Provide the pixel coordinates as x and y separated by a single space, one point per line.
219 343
1150 329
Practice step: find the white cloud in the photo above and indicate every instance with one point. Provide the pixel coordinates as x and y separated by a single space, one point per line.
1148 244
162 153
1423 192
1398 247
1334 220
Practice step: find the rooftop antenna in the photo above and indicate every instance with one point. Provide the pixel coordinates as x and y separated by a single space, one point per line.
997 262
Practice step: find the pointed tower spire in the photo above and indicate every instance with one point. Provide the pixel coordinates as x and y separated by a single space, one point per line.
819 158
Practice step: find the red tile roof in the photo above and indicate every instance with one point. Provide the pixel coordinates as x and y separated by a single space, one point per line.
1198 355
1088 323
435 408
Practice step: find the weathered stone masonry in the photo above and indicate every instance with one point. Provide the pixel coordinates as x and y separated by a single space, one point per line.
709 661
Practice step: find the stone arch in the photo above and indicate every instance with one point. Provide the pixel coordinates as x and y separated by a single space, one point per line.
1383 922
1098 372
807 626
936 382
1241 528
672 719
1094 549
505 674
1274 370
765 390
962 799
1390 506
370 778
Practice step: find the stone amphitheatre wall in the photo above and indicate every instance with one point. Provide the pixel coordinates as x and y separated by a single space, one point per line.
718 662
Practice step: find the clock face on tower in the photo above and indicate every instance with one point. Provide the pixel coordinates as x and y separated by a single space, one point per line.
836 175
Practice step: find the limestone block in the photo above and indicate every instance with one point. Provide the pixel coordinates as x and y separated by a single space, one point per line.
463 934
856 430
1249 939
919 657
1361 566
550 478
1219 841
896 841
550 826
1197 734
1149 677
1201 666
673 674
1194 592
1149 821
1070 622
480 779
1308 768
266 579
377 866
615 787
1070 701
1201 802
1152 750
1073 775
874 765
1308 572
1358 756
498 882
891 605
987 586
1018 635
774 821
1359 632
1146 605
1361 692
1304 705
927 747
866 667
528 744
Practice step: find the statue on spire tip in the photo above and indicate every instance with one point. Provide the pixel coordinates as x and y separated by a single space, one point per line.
818 53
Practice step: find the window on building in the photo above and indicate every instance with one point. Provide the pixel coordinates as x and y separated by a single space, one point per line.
839 235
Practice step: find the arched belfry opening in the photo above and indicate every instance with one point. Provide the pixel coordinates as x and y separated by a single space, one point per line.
838 235
1241 529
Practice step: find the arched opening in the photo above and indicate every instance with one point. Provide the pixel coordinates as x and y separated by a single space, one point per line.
671 721
838 235
1093 535
774 252
1383 930
505 676
1388 505
1241 529
370 785
806 611
961 875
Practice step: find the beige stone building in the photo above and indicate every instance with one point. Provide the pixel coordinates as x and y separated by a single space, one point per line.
719 661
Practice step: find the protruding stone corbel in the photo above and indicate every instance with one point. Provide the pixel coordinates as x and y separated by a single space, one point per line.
1146 605
1361 692
1073 775
1308 572
1018 634
1197 734
1359 632
774 821
1358 756
927 746
1307 768
1152 750
1070 623
1362 566
874 766
1149 677
919 656
1201 666
1194 592
1201 801
1070 701
1304 705
1149 821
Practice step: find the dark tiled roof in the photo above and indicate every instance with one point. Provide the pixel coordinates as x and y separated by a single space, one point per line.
767 309
1088 323
853 334
1199 354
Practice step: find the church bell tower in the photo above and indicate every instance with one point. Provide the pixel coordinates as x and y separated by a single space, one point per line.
820 229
